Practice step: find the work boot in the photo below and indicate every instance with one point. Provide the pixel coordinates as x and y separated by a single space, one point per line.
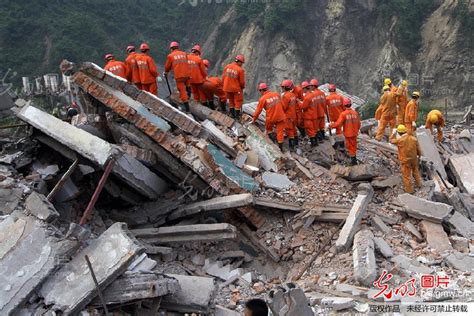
238 114
186 106
210 104
291 142
296 141
321 135
272 136
188 91
222 104
280 145
302 132
232 112
314 141
353 161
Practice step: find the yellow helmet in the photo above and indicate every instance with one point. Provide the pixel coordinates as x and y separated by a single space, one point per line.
387 81
404 83
415 94
385 88
401 129
433 119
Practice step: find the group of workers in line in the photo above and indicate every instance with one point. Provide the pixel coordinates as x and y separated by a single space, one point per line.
296 110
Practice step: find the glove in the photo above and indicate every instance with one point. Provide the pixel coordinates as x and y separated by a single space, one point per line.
326 126
413 124
394 131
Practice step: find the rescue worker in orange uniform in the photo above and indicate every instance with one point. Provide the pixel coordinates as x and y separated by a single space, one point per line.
198 74
388 104
213 86
147 70
320 109
177 61
387 83
408 153
335 106
233 78
435 117
116 67
402 101
300 92
411 113
349 120
290 106
275 119
310 113
132 66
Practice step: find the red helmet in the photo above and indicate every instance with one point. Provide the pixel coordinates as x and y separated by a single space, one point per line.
304 84
174 45
206 63
332 87
130 48
144 46
347 102
240 58
314 82
196 47
287 84
108 56
262 86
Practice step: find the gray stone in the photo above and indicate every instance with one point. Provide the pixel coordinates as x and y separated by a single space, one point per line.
423 209
249 277
461 261
378 223
72 287
276 181
39 206
222 311
350 289
459 243
429 151
462 225
290 301
365 267
337 303
389 182
9 199
356 213
383 247
195 295
462 167
217 269
435 236
410 265
413 230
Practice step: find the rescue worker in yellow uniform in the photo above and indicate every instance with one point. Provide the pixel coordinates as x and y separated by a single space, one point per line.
388 111
408 153
411 113
435 118
402 101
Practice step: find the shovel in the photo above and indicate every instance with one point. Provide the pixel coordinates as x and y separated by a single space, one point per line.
168 84
332 141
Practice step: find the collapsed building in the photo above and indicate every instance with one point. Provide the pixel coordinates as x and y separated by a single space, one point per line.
138 208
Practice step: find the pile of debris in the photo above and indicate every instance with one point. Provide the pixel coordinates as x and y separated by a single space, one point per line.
136 207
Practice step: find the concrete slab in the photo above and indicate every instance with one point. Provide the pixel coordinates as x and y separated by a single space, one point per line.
290 301
411 265
269 155
435 236
337 303
365 267
463 169
462 225
221 271
461 261
218 138
424 209
39 206
276 181
378 223
383 247
429 150
413 230
72 287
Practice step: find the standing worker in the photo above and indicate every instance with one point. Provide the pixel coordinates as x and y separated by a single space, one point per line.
408 152
290 106
132 66
388 110
411 113
275 118
349 120
300 91
116 67
402 101
198 74
233 78
177 61
335 106
147 70
435 117
310 115
320 99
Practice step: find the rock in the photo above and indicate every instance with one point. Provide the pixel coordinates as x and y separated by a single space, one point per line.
459 243
249 277
435 236
198 259
410 265
383 247
350 289
365 267
378 223
217 269
413 230
276 181
290 301
462 167
39 206
423 209
430 151
461 261
389 182
337 303
462 225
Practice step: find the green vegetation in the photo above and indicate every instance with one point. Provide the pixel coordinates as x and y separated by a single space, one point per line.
367 111
466 18
410 15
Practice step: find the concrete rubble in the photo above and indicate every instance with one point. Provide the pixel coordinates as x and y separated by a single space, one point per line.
202 212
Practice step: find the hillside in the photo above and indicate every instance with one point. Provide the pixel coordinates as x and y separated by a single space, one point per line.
352 43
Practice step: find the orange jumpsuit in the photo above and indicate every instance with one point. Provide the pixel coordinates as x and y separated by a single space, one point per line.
335 107
178 62
411 115
439 125
233 78
132 66
275 115
298 91
118 68
320 108
402 101
198 75
290 106
148 72
408 152
213 86
310 114
349 120
388 104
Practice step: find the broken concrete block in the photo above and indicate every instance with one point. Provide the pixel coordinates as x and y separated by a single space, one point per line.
92 123
459 243
351 226
383 247
461 225
194 296
423 209
411 265
9 199
462 167
365 267
39 206
290 301
240 160
435 236
378 223
222 311
362 172
461 261
337 303
269 155
413 230
72 287
276 181
218 138
429 151
389 182
217 269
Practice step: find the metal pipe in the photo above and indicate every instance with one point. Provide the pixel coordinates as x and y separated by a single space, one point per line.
63 180
99 292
